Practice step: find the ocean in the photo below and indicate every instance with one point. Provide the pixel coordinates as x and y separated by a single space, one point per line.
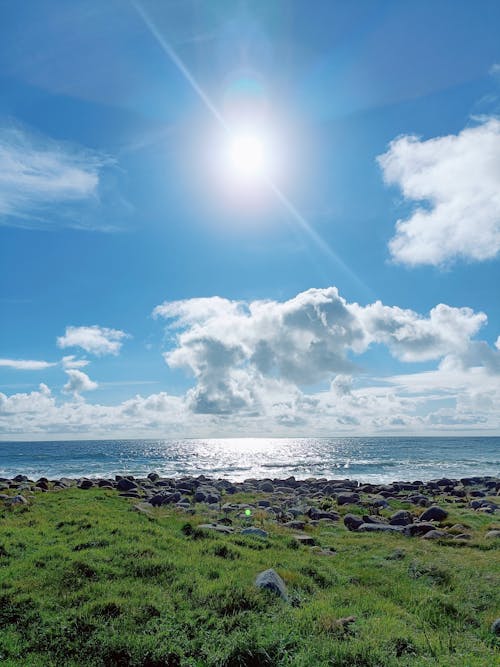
380 459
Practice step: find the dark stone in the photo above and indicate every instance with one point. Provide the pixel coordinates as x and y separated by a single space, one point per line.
86 484
347 498
415 529
434 513
352 521
257 532
495 626
378 527
267 487
200 496
492 534
271 581
125 485
316 514
20 478
306 540
434 535
153 476
401 518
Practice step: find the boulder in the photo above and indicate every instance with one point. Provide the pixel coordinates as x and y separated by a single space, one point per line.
153 476
415 529
267 487
217 527
270 580
492 534
200 496
316 514
434 535
18 500
378 527
257 532
434 513
85 484
495 626
305 540
401 518
125 485
347 498
352 521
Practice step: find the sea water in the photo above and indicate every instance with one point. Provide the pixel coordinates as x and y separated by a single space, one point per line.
370 459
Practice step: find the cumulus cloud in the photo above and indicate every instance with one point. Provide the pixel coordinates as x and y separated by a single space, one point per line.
78 381
247 356
94 339
291 367
43 182
455 180
25 364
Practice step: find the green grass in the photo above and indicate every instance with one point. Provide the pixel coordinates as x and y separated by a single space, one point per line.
87 580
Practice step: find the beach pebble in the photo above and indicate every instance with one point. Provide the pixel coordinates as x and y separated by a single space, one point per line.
434 513
271 581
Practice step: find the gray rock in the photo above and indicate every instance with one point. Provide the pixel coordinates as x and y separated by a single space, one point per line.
295 524
125 485
18 500
257 532
463 536
316 514
264 503
434 535
352 521
271 581
212 498
495 626
219 528
378 528
85 484
153 476
401 518
267 487
305 540
434 513
347 498
200 496
492 534
416 529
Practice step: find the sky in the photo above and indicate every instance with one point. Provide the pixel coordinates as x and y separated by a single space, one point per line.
231 218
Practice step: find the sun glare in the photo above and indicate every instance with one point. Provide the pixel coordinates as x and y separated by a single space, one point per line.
247 157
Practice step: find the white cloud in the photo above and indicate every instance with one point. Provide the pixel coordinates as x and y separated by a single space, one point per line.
26 364
291 368
71 361
94 339
245 356
78 381
45 184
456 178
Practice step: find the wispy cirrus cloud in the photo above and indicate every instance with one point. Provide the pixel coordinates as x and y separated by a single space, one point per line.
46 183
456 178
26 364
94 339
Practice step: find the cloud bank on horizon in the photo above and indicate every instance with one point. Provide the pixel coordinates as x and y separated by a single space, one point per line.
288 367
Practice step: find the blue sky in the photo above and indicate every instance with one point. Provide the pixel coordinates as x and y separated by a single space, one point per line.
159 278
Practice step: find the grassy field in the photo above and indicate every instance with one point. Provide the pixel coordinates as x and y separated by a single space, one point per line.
87 580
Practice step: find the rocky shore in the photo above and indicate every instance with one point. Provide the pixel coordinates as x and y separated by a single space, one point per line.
295 503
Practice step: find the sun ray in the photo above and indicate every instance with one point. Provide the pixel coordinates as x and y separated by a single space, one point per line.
299 219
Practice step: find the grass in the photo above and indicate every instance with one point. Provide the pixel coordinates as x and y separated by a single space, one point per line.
87 580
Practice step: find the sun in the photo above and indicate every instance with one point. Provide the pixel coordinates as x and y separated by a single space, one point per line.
247 157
